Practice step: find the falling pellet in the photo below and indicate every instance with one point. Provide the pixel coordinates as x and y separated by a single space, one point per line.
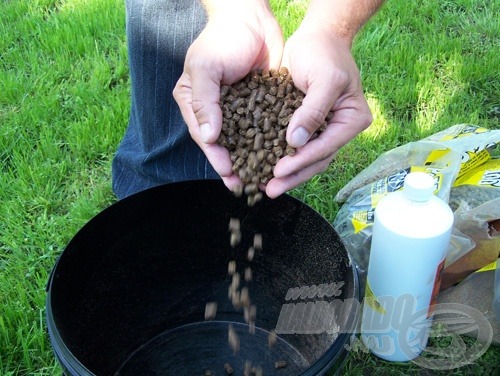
257 371
247 370
250 253
235 282
272 338
235 238
244 297
279 364
231 267
228 368
210 310
257 241
251 327
234 224
233 339
248 274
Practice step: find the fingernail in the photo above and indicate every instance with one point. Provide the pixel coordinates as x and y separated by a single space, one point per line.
205 131
299 137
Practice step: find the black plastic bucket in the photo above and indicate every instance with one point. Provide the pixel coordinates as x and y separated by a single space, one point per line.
128 294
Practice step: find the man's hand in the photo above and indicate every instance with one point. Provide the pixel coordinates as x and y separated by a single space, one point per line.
322 66
240 36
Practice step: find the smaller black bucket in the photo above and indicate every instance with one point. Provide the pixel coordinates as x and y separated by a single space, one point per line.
128 294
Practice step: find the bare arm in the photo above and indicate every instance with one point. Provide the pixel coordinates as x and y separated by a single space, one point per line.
320 61
342 17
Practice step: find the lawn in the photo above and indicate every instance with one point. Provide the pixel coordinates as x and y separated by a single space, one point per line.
64 103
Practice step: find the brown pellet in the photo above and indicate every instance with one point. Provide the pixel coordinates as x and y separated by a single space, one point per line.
246 314
235 238
244 297
257 197
270 98
261 155
257 371
251 201
257 241
251 327
247 369
248 274
228 368
238 190
258 141
267 169
224 89
234 224
250 253
260 94
235 298
209 373
268 144
280 364
251 188
210 310
235 282
231 267
245 92
252 312
272 338
233 339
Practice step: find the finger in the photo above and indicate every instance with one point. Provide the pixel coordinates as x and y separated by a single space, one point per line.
205 87
278 186
314 151
346 123
231 182
216 155
274 51
320 98
219 158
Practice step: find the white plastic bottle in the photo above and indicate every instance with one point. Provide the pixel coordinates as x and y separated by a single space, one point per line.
410 239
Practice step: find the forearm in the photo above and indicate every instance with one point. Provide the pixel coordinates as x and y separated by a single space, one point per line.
342 17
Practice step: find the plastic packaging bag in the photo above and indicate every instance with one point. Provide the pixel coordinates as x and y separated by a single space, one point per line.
473 143
496 299
475 199
449 156
477 291
481 224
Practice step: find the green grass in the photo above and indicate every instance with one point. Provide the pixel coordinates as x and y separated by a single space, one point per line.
64 102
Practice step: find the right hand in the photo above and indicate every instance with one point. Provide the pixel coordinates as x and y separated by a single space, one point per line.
237 39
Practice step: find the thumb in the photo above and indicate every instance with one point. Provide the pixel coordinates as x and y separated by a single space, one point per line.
318 101
205 94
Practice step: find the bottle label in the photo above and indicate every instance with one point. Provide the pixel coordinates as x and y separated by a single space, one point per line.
371 299
435 289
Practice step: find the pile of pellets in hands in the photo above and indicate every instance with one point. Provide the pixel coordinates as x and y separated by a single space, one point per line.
255 115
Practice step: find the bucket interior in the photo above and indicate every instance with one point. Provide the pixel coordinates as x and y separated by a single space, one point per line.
128 294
